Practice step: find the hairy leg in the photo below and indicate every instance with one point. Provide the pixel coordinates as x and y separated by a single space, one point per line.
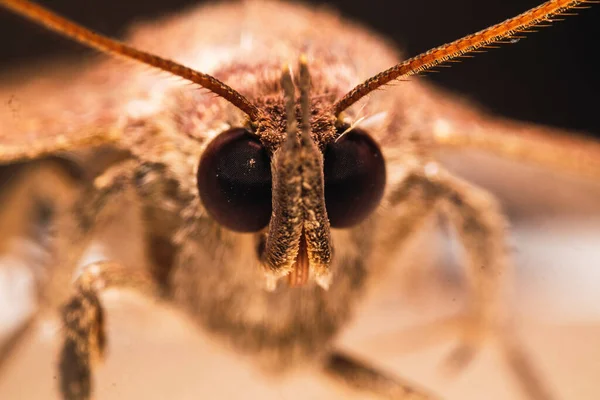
413 199
84 323
362 377
73 228
482 231
82 312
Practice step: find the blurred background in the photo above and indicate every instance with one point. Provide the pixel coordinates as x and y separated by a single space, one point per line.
557 66
549 78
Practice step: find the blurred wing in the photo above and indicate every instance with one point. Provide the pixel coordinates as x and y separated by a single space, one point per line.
458 128
61 108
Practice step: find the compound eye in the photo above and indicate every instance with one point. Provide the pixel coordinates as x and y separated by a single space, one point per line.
354 172
234 181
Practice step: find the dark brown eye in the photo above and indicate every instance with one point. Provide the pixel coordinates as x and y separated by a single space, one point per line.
234 181
354 178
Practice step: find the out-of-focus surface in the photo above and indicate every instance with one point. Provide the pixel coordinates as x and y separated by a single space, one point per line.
155 353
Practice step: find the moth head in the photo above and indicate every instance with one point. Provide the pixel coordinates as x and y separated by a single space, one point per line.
293 192
292 182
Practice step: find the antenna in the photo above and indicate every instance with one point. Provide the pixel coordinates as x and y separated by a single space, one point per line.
439 55
110 46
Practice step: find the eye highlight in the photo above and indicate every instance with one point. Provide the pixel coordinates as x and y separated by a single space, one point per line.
354 172
234 181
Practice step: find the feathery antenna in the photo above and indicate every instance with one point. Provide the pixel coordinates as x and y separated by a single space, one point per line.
107 45
438 55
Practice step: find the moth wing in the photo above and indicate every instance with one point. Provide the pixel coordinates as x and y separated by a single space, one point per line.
65 107
528 163
558 150
448 123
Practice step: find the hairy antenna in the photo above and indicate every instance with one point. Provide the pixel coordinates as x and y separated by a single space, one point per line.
92 39
438 55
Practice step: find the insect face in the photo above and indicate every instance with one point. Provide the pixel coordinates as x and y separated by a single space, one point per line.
289 187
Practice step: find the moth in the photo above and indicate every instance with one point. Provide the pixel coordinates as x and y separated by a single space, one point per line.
272 198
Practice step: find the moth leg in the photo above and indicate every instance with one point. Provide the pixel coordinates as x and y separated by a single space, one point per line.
414 199
361 377
73 226
84 323
82 312
482 229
